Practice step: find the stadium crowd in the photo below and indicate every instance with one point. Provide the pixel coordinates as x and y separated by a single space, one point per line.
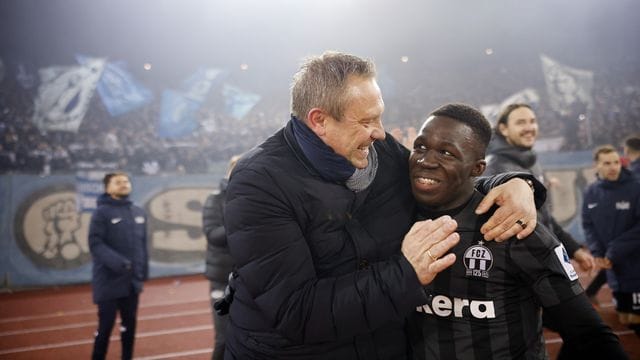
130 141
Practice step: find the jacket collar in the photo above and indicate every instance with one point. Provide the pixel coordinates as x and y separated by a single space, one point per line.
625 177
106 199
523 157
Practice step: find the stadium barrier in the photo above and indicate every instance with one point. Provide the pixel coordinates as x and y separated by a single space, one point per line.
44 221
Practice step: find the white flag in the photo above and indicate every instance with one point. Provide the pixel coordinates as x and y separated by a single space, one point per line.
525 96
567 87
64 94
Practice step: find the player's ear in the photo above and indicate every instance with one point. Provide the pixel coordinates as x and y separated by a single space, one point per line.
479 167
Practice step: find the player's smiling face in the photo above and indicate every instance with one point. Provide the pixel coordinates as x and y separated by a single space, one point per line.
443 163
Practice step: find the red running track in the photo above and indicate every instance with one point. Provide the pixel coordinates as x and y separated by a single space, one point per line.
174 322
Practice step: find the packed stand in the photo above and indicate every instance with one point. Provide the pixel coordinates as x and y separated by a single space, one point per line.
130 141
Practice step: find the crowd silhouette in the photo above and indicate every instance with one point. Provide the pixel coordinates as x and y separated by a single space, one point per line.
130 142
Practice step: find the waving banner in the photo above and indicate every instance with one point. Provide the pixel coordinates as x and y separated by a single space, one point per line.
526 96
567 87
64 95
198 86
119 91
238 102
177 115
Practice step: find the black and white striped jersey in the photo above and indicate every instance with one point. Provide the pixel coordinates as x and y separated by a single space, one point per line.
488 304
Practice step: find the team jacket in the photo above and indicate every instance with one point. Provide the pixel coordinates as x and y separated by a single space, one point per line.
118 246
320 273
504 157
487 305
611 221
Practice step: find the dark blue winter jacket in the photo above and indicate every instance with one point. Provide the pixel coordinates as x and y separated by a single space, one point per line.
118 245
611 220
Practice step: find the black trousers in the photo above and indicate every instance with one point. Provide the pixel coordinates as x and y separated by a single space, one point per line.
219 321
128 307
596 283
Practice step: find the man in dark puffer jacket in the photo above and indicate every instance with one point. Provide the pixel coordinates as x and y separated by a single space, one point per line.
315 218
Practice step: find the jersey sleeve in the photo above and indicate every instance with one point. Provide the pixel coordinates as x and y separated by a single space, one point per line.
583 332
544 264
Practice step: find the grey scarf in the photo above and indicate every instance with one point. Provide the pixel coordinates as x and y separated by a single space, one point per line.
362 178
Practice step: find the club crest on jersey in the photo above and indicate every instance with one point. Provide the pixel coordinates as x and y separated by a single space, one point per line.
478 260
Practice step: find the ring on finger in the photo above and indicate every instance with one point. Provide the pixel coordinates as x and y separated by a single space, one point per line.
521 223
434 258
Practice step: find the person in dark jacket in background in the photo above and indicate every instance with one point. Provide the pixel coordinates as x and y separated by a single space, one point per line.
611 222
631 148
218 261
118 246
315 219
511 149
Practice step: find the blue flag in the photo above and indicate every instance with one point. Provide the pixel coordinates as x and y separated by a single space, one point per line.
177 115
199 85
119 91
238 102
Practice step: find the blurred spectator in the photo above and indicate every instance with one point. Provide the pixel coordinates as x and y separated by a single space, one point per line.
218 261
7 160
632 152
611 222
60 160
